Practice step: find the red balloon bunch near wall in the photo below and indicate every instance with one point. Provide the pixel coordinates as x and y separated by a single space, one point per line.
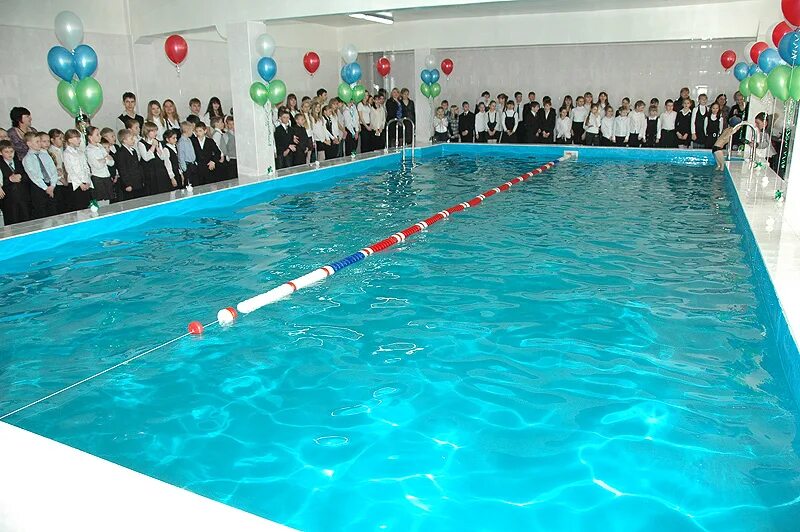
383 66
176 48
728 59
311 62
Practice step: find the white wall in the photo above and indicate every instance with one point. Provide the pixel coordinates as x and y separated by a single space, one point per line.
106 16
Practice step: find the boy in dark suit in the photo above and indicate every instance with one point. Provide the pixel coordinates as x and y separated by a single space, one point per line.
285 144
207 154
466 124
128 166
14 194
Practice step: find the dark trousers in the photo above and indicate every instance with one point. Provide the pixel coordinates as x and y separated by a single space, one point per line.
43 205
592 139
605 141
81 198
350 144
481 137
366 139
633 140
233 169
577 132
14 211
63 198
190 175
620 141
133 194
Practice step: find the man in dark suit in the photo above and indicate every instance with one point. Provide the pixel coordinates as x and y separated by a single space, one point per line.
15 196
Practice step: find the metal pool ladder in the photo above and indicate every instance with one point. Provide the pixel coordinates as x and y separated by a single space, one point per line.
400 133
753 144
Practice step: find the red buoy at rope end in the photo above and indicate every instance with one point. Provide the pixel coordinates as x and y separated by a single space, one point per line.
196 328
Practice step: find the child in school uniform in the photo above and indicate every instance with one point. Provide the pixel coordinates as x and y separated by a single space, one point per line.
563 127
578 115
152 156
42 175
651 127
17 190
440 127
622 127
509 133
452 123
99 161
547 121
327 141
481 127
108 139
667 138
638 125
304 148
63 191
713 126
699 115
78 172
683 124
533 126
607 126
207 154
493 126
466 124
352 127
229 146
602 102
187 160
592 126
217 134
131 177
172 163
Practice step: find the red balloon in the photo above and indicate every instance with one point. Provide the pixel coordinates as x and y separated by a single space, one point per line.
780 29
791 11
384 66
728 59
176 48
756 50
447 66
311 62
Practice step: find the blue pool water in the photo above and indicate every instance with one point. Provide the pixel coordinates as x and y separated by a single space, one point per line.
584 352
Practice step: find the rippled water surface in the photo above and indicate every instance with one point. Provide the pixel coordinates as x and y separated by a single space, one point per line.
584 352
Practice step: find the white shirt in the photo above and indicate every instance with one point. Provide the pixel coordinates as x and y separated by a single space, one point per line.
77 168
338 124
622 126
440 124
519 108
161 127
146 155
695 112
578 114
363 113
96 156
563 127
351 119
607 127
638 122
666 122
320 131
377 117
480 122
593 123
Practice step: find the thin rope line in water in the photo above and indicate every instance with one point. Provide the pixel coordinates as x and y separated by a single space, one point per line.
99 373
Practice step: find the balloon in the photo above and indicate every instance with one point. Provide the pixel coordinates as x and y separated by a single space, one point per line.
791 11
176 49
359 92
267 68
778 81
352 72
265 45
311 62
276 91
384 66
430 61
756 49
425 89
434 75
69 29
61 62
85 61
747 50
349 53
740 71
768 60
447 66
727 59
778 31
436 90
345 92
753 70
758 84
90 95
67 97
426 77
744 88
789 48
258 93
794 84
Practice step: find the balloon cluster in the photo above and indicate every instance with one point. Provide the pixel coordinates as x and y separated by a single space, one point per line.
351 72
774 70
74 60
275 90
430 87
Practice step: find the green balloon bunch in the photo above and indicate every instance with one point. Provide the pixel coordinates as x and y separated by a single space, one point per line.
85 96
274 92
783 82
351 93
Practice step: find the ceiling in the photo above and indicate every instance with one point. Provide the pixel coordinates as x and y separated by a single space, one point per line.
518 7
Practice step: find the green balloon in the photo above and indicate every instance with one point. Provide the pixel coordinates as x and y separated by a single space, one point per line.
345 92
758 84
277 91
744 88
436 90
358 93
794 84
90 95
258 93
425 89
778 82
67 97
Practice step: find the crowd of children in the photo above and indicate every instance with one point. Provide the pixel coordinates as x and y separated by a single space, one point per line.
54 172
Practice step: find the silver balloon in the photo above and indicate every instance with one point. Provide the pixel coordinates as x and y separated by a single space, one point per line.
430 61
69 29
265 45
349 53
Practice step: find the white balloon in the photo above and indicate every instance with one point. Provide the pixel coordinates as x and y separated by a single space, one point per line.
349 53
69 29
430 61
265 45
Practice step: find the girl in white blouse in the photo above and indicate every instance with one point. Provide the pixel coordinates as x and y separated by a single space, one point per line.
323 134
666 136
440 124
578 115
592 126
363 115
99 160
563 127
480 123
170 113
77 169
509 121
493 123
154 116
607 127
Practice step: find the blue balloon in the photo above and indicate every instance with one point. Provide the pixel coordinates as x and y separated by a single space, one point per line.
789 48
740 70
768 60
434 75
267 68
85 61
753 70
426 76
352 72
61 63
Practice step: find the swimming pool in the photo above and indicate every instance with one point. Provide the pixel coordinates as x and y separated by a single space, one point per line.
585 351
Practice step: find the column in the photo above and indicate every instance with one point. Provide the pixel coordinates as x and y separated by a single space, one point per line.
424 125
254 151
791 206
